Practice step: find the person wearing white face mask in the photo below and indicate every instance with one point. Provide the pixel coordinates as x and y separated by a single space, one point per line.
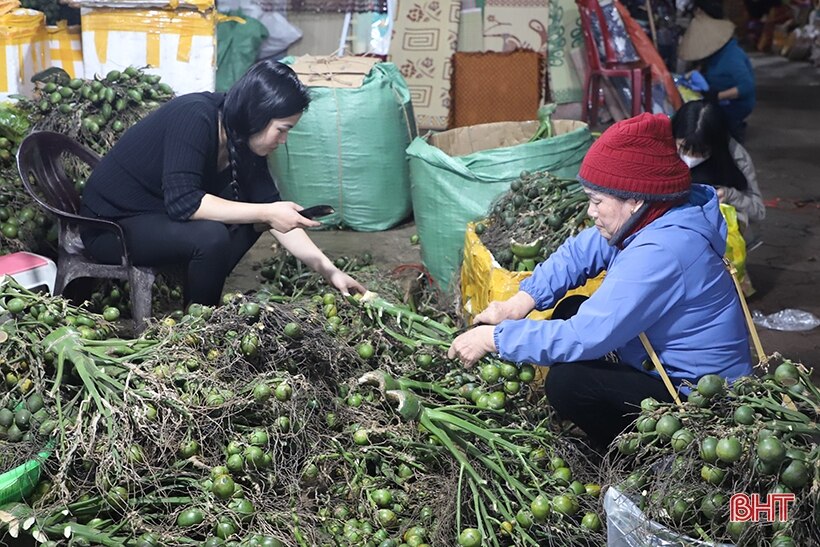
716 159
692 161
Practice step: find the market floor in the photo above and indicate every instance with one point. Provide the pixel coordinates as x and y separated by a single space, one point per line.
783 137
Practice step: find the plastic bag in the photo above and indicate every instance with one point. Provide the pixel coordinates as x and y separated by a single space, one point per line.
281 34
627 526
735 244
787 320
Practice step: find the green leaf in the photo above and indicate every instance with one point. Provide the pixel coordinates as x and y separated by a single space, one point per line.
13 123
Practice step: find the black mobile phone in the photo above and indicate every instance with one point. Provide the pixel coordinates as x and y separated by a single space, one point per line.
317 211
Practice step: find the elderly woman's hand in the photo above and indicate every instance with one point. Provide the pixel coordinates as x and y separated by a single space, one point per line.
515 307
473 345
495 313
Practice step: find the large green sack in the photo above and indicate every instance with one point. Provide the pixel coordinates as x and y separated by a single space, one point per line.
347 151
237 44
456 175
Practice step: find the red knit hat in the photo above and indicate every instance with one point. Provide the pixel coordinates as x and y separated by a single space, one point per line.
637 158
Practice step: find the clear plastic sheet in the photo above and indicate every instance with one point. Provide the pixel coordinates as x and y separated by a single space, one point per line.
627 526
786 320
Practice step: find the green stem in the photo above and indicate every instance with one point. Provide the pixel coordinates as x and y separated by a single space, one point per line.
458 497
448 443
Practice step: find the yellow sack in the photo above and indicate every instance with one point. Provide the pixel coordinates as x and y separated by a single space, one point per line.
484 281
736 247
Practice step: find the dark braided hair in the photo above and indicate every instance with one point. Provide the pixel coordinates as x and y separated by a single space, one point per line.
269 90
234 169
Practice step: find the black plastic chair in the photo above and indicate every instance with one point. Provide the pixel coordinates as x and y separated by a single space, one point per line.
40 160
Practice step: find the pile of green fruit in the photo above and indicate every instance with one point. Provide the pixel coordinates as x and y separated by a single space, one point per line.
95 112
532 220
51 9
92 112
23 225
758 436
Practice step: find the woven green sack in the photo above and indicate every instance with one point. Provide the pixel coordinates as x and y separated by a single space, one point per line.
347 151
456 175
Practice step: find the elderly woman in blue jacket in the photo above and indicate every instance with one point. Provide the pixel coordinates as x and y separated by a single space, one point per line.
661 242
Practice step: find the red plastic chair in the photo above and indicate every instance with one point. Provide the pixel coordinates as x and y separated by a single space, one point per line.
639 73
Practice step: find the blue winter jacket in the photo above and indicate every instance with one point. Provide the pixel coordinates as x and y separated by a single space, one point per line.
727 68
668 281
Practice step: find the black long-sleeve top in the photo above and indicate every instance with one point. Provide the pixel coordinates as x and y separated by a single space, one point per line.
168 161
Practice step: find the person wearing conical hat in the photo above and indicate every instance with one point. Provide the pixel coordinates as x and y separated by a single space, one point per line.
710 45
661 241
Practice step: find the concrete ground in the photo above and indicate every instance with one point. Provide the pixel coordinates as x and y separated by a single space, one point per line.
784 142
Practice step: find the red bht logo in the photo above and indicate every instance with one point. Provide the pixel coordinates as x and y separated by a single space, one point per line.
743 507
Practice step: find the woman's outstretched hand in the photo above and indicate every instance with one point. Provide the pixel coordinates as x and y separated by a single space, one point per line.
344 283
283 216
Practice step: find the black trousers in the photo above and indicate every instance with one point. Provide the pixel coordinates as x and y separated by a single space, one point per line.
210 249
600 397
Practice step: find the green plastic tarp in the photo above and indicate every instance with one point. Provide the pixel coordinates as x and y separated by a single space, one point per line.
347 151
456 175
237 45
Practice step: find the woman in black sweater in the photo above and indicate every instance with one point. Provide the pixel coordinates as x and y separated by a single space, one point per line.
188 182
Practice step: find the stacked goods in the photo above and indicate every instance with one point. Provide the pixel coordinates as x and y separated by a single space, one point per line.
757 437
170 39
24 46
96 112
533 219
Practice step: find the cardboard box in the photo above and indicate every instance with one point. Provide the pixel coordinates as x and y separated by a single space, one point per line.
179 46
65 48
23 51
